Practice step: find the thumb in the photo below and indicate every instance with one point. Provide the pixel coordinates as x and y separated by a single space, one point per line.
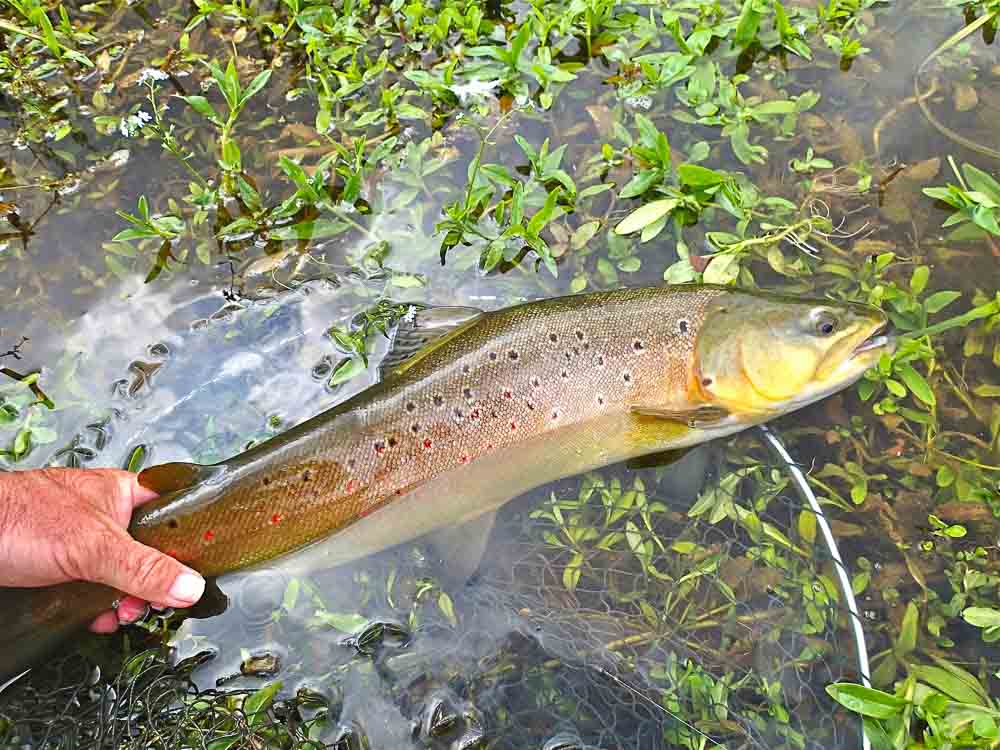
148 574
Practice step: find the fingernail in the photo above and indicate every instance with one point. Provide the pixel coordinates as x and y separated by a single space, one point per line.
188 588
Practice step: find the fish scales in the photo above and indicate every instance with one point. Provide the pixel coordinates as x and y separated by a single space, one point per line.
516 374
502 403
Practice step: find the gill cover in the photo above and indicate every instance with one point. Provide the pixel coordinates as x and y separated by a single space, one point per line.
759 353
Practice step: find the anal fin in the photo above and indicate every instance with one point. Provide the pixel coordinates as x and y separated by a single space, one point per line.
461 547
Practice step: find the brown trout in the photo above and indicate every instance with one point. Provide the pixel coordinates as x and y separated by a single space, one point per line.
475 409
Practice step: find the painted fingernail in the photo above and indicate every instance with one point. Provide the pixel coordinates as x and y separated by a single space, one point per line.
188 588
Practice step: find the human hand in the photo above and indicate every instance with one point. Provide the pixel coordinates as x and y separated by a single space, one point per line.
60 525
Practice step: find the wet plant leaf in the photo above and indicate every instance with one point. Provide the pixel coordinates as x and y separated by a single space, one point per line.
865 701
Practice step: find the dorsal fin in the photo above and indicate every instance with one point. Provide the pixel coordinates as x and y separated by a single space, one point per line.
174 477
422 331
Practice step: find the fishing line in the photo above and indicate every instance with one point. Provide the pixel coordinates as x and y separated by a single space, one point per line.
843 579
642 696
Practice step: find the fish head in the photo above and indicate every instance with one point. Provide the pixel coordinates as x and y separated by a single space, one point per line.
761 355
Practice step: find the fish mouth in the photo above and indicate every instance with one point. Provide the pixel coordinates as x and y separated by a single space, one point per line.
881 338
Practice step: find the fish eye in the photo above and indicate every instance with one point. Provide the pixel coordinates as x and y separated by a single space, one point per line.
825 323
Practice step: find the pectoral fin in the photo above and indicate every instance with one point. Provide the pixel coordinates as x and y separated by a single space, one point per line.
461 547
699 416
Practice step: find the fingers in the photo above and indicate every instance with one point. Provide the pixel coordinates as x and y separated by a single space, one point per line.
129 610
106 622
146 573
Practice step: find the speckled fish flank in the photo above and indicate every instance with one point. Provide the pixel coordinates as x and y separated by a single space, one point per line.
533 370
500 403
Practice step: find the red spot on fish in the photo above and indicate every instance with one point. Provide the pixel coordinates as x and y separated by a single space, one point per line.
209 535
475 414
489 446
399 492
513 426
350 485
464 458
508 394
427 442
380 449
276 519
171 553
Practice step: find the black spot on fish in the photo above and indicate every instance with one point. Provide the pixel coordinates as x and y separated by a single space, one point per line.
638 345
565 375
576 351
553 338
531 406
535 382
392 442
579 335
172 523
683 326
267 481
600 360
438 399
414 428
306 475
411 407
459 414
493 356
600 400
351 463
513 355
706 381
466 369
467 392
627 376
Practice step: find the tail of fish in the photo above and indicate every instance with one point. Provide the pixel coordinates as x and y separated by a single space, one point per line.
37 621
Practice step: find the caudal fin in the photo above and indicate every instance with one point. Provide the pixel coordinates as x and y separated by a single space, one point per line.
36 621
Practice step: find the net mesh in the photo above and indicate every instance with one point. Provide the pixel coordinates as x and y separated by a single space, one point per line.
627 609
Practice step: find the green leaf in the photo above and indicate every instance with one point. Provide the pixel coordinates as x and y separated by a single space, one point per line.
907 640
645 215
345 623
544 215
947 682
641 183
746 29
584 233
865 701
778 107
231 158
699 177
916 383
256 705
918 281
722 269
982 182
255 85
446 606
982 617
940 300
519 43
